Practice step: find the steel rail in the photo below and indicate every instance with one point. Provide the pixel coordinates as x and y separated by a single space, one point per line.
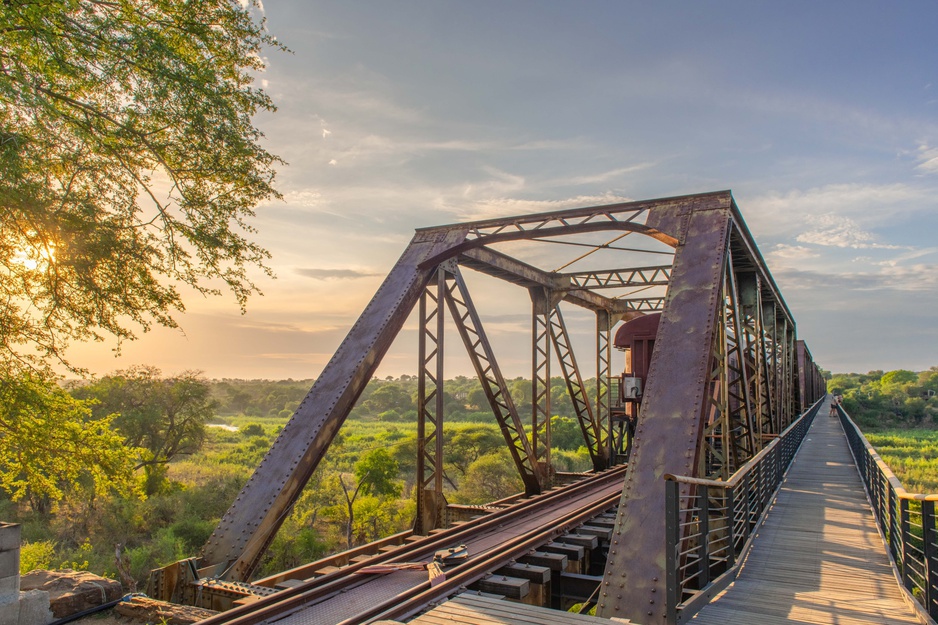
411 602
320 588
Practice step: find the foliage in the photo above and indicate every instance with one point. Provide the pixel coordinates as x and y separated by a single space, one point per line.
911 454
896 398
165 417
464 445
37 555
130 165
491 477
50 444
374 457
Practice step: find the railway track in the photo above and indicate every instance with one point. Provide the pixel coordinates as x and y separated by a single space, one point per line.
348 597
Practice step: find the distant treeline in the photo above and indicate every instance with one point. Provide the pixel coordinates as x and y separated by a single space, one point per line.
899 398
388 399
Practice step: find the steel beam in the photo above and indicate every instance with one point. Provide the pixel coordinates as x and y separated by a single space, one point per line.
621 278
604 399
241 538
504 267
431 503
493 383
540 379
671 422
581 404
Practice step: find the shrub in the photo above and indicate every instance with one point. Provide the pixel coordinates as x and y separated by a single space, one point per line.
37 555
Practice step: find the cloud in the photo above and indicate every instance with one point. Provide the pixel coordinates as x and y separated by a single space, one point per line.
784 251
334 274
927 159
307 197
914 278
837 231
487 208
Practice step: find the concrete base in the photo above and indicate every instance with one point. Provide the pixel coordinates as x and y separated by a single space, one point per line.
18 608
30 608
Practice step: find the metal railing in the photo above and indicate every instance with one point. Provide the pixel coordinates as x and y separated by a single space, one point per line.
710 523
907 520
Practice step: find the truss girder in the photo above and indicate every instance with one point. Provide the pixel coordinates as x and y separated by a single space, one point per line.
502 266
540 377
244 532
739 430
577 391
720 378
431 504
480 351
604 325
671 422
620 278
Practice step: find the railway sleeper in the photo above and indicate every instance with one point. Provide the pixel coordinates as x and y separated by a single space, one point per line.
573 588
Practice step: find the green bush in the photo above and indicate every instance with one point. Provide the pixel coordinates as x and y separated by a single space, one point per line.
37 555
252 429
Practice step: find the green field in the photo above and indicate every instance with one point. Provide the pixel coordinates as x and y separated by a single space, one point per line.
911 454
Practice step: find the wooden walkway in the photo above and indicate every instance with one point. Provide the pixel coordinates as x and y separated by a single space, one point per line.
818 558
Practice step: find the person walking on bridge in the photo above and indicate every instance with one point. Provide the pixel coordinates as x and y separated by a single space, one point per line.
835 401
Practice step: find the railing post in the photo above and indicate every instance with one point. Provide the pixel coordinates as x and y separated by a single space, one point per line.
748 497
930 558
904 542
703 496
672 524
730 527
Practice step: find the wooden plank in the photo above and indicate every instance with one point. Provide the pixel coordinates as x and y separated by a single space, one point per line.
471 609
819 558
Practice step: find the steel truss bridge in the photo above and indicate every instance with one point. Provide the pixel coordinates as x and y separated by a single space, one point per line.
687 442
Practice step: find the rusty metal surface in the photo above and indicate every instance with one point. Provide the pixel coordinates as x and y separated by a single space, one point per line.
589 425
344 596
726 374
483 360
251 522
670 426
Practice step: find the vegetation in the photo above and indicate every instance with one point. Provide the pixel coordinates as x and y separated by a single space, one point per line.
895 399
210 435
911 454
130 165
129 168
898 413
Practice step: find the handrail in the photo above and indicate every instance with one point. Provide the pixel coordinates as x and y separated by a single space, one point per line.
907 520
710 523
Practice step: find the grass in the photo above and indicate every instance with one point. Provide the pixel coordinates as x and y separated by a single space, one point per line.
912 455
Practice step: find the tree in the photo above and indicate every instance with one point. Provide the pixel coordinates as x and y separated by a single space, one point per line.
491 477
388 396
164 417
375 474
470 442
130 165
50 443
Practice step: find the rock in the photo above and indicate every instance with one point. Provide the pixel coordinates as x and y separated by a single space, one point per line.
153 611
71 591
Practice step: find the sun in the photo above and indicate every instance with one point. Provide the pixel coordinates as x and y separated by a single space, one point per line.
35 258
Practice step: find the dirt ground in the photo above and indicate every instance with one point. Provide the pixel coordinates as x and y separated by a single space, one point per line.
107 617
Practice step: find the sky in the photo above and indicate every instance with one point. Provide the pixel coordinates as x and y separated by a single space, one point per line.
821 117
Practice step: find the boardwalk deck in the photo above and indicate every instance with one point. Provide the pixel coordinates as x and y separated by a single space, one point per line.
818 558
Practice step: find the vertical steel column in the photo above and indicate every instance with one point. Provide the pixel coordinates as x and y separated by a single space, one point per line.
540 378
493 383
739 400
431 504
604 325
241 538
930 557
751 309
574 381
671 424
